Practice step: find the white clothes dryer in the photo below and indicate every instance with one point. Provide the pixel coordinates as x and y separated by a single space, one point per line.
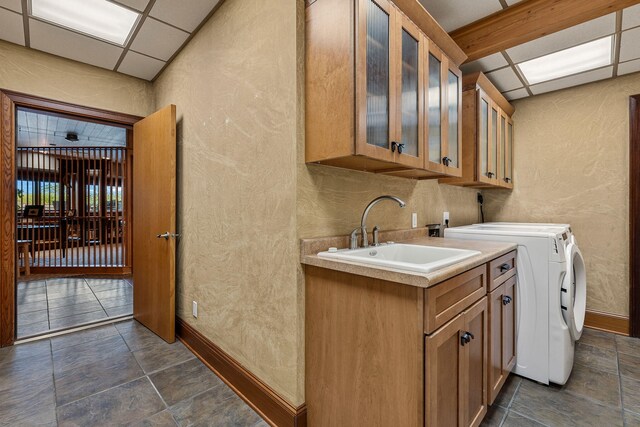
551 287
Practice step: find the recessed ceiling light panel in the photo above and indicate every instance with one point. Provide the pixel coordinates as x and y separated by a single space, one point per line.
97 18
587 56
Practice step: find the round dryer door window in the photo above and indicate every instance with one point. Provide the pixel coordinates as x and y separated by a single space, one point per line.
573 294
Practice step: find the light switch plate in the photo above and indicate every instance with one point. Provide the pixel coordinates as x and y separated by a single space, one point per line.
195 309
414 220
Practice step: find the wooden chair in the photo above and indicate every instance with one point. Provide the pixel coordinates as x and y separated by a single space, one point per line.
24 253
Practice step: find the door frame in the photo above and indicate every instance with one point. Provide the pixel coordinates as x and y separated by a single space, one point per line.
9 101
634 216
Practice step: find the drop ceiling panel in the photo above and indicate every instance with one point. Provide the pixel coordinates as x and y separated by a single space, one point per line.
140 66
629 46
575 80
516 94
15 5
631 17
455 14
505 79
512 2
11 27
489 63
158 40
629 67
55 40
573 36
175 13
140 5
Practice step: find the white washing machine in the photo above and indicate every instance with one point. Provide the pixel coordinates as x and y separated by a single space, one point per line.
551 286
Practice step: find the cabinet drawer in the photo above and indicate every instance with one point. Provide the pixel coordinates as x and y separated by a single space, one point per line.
501 269
446 300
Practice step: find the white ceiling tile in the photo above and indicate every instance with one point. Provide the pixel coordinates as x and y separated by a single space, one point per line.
505 79
187 18
573 36
455 14
488 63
11 27
140 66
629 67
158 40
140 5
512 2
15 5
569 81
631 17
68 44
516 94
629 46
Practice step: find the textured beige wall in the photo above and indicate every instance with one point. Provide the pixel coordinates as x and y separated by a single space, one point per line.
36 73
571 166
235 89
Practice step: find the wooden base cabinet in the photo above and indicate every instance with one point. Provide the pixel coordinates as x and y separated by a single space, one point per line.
456 370
502 335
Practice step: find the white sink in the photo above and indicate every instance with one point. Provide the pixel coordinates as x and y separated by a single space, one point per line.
422 259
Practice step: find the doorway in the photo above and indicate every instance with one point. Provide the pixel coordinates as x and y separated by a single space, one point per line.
634 215
68 215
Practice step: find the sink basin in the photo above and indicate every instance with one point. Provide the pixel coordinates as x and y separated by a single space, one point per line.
422 259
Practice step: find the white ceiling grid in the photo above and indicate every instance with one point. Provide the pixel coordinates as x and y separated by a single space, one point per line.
161 32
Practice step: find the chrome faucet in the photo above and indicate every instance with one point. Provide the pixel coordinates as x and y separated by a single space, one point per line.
363 226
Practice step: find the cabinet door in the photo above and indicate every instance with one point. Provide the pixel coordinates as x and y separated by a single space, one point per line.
454 124
502 148
509 307
374 67
484 135
508 155
494 120
495 366
409 51
435 109
474 396
444 375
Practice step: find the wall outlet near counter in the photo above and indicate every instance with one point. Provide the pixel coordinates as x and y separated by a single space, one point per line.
445 217
194 309
414 220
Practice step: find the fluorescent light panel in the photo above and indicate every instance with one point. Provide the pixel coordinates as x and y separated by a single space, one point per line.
98 18
573 60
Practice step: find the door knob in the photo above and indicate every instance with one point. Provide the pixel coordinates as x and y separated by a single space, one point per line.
167 235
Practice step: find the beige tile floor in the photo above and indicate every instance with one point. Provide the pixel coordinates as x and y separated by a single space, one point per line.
60 303
603 390
119 374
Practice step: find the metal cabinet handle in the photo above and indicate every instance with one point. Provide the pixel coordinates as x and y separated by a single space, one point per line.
397 146
506 300
490 174
507 179
505 267
446 161
466 338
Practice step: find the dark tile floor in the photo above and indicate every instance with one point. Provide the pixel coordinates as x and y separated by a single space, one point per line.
603 390
61 303
111 375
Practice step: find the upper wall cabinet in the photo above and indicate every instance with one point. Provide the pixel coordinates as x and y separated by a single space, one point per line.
487 136
380 95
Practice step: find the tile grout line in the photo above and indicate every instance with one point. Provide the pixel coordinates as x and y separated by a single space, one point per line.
96 297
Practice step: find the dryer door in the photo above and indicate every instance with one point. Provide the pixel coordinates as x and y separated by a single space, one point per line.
573 294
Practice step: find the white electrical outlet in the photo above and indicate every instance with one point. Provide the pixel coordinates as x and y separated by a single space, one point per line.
195 309
414 220
445 217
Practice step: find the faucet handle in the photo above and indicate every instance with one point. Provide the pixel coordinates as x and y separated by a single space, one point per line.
376 242
353 241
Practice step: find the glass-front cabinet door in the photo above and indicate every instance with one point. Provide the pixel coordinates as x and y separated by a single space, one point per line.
502 148
408 143
508 157
454 124
484 136
375 91
435 116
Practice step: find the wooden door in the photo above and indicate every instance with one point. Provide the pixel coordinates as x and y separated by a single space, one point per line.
495 372
154 215
375 68
444 375
453 102
509 308
474 365
409 78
